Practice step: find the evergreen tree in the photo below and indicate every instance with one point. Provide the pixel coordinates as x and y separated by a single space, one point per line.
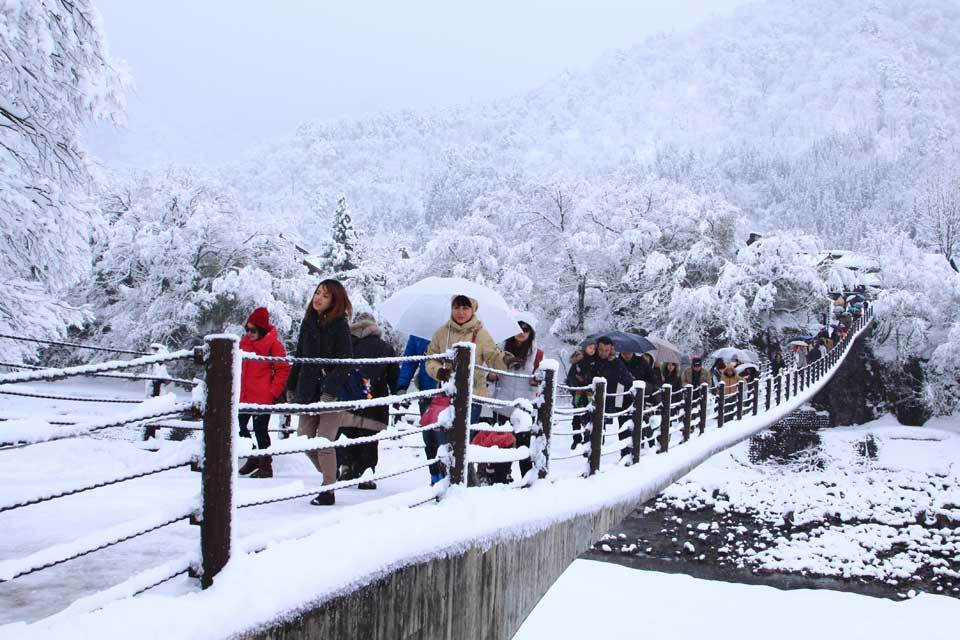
343 246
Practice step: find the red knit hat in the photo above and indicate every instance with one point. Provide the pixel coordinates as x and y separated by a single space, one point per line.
260 318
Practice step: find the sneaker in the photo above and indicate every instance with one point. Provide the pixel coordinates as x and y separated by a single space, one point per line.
367 485
324 499
248 467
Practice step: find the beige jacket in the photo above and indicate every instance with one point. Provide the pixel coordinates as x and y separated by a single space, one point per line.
488 353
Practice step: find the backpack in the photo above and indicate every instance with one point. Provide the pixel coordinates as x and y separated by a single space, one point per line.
356 387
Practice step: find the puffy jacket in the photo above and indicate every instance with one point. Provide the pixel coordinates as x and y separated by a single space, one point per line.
416 346
368 343
580 375
688 378
487 352
263 382
729 382
320 339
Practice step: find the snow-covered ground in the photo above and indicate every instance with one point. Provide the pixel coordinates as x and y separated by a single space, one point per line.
383 532
601 600
877 502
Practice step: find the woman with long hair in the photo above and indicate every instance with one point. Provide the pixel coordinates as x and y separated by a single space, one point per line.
324 333
527 358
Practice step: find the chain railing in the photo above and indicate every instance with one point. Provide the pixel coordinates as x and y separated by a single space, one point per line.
649 421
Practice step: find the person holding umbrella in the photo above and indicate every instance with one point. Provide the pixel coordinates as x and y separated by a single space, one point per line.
615 372
465 326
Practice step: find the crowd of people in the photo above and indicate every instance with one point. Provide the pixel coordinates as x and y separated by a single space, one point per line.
329 330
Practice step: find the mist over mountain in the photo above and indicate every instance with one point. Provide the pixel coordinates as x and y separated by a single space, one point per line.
816 114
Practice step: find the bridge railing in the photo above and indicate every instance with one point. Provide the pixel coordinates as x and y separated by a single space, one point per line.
654 420
646 422
14 436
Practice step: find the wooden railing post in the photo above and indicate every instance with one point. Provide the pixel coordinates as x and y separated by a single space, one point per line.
796 381
219 458
636 434
778 382
755 386
721 405
463 362
741 392
545 417
666 399
687 410
768 388
704 398
599 418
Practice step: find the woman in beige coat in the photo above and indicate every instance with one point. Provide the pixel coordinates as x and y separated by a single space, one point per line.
464 326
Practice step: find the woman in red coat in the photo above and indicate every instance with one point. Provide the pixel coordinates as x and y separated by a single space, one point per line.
261 383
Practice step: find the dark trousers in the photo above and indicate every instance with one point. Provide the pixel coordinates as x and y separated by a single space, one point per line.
260 424
502 469
361 456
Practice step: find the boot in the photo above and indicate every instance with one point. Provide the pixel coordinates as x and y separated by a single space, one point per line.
248 467
325 499
367 485
264 468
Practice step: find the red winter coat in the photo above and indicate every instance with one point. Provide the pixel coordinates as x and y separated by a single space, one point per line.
263 382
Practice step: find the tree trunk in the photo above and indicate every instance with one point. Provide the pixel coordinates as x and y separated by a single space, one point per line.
581 301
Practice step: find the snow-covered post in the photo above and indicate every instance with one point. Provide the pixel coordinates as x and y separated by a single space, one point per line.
796 382
687 410
636 434
741 393
721 405
666 399
599 418
704 398
545 417
755 387
218 464
463 384
769 388
786 386
154 386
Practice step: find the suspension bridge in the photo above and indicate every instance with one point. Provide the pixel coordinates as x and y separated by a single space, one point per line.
230 558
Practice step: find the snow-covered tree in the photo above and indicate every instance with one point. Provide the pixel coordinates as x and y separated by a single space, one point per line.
178 259
55 78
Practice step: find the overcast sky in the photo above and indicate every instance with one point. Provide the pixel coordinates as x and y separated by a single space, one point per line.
214 77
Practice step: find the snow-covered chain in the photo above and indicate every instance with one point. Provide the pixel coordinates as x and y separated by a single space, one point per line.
86 369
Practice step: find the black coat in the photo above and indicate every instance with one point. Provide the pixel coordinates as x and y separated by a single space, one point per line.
614 372
330 339
382 377
581 375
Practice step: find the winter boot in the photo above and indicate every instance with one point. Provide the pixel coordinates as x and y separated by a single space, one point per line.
248 467
264 469
367 485
325 499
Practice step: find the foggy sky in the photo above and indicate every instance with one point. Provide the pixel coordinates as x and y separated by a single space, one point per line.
215 77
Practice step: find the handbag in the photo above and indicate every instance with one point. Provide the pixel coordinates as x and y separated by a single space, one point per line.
432 414
438 403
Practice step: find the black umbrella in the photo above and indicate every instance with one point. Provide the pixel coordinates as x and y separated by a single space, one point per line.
623 341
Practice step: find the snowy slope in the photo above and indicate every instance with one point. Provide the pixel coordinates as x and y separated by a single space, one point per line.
648 604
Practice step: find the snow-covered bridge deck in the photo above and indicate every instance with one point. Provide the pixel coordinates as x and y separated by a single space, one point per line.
471 565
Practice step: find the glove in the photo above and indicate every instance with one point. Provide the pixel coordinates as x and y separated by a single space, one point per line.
443 375
291 396
328 397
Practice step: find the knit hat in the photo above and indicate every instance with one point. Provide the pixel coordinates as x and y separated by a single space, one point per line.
260 318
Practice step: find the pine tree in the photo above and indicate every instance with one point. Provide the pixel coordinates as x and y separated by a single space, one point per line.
343 248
